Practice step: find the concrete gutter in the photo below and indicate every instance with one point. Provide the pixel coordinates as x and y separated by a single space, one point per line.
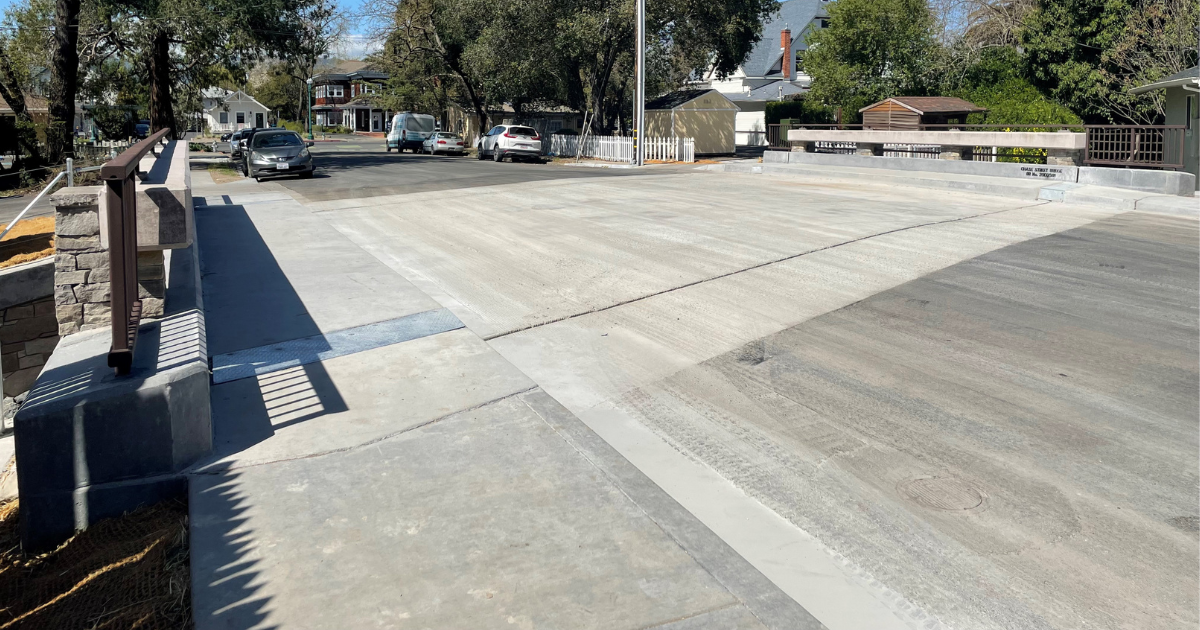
1027 139
1029 189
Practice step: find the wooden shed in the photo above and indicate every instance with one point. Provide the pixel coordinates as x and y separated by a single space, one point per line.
704 115
910 112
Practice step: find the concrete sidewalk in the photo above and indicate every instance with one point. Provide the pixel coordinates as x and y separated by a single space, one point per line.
374 473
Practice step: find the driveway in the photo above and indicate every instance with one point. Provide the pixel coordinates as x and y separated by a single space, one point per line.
901 405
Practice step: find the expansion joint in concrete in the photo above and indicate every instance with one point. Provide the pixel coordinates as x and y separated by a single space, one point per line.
768 263
218 470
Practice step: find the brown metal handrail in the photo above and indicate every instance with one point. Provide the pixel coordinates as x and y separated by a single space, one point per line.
119 176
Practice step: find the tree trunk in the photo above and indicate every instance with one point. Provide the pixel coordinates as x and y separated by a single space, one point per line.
28 154
162 113
64 74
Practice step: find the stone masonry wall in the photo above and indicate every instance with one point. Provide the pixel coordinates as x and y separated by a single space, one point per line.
82 295
28 334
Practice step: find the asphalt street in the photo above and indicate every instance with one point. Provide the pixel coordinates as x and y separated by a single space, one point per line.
359 167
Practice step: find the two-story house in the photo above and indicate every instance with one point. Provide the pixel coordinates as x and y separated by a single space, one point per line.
344 95
769 72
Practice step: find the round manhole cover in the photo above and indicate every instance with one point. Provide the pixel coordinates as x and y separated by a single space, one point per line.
941 493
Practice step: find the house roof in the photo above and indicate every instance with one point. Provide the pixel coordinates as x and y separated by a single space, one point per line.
215 92
931 104
34 105
793 14
675 99
349 70
769 92
1179 79
234 97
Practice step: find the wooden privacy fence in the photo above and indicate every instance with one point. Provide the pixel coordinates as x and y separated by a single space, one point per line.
1146 146
620 148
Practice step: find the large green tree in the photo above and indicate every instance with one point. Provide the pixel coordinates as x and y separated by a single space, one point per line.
872 50
1088 53
574 53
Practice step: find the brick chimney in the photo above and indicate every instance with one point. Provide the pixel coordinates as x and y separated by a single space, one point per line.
788 62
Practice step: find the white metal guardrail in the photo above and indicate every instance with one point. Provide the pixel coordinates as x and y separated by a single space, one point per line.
620 148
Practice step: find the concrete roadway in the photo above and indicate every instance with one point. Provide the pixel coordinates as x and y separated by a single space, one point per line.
905 407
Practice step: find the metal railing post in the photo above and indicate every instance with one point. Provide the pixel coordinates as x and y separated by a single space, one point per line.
70 173
121 208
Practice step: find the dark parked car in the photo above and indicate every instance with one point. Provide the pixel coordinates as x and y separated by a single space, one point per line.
142 128
273 152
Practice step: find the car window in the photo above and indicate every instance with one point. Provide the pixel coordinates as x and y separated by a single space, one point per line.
276 140
495 130
522 131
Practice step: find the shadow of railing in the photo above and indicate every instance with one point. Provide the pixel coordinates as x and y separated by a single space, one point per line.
248 303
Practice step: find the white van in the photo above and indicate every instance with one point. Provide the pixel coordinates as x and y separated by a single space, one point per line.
409 131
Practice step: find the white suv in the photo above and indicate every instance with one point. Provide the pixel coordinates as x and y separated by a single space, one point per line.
510 141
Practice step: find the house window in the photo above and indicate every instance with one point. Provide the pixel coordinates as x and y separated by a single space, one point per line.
335 91
223 117
241 118
320 91
554 125
367 88
824 23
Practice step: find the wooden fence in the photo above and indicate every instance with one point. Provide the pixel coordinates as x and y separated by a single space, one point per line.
620 148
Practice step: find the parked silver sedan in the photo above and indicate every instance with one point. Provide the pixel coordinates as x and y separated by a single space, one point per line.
443 142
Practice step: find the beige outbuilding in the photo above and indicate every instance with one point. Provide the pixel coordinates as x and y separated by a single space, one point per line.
705 115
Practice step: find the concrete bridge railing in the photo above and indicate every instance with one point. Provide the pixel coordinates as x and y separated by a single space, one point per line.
92 444
1063 148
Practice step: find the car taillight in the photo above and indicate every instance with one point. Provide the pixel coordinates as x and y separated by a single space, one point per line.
536 137
441 142
508 135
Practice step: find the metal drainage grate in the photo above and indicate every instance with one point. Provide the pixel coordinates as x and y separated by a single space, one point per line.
941 493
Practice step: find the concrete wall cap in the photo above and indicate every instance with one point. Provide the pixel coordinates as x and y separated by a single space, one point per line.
77 196
1025 139
27 282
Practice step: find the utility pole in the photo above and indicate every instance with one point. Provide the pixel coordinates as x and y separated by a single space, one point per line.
639 99
309 82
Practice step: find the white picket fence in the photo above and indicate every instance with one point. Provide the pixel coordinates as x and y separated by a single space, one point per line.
620 148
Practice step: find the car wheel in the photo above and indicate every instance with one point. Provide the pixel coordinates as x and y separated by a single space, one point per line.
387 148
307 174
497 155
479 154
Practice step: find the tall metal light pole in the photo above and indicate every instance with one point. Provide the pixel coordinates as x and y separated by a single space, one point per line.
310 134
639 99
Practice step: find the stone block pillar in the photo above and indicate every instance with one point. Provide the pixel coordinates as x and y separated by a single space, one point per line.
949 152
81 266
867 148
1063 157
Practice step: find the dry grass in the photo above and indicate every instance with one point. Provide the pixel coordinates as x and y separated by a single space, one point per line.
223 173
127 572
37 236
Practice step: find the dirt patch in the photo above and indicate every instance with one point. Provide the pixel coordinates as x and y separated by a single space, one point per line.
224 173
30 240
128 572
